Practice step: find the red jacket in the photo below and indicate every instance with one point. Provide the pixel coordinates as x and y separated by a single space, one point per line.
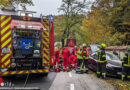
57 53
74 52
66 53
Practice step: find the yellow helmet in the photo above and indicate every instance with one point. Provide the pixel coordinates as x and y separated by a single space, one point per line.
98 49
103 45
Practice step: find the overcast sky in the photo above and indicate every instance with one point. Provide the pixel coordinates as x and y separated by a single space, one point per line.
47 7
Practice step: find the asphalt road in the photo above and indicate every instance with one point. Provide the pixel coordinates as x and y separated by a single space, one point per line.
41 81
62 81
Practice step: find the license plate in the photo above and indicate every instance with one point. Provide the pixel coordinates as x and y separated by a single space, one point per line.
5 50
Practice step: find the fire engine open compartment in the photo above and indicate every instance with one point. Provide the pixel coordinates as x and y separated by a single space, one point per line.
27 45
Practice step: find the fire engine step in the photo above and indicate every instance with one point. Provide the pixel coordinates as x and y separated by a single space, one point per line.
19 88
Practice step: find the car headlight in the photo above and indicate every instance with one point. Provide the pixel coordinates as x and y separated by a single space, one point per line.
2 84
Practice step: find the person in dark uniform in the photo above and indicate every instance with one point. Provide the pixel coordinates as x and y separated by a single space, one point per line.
101 61
84 60
126 65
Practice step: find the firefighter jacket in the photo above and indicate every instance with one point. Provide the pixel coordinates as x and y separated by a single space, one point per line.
85 53
126 60
101 56
79 54
57 52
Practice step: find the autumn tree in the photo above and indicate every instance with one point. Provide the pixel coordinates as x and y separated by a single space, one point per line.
21 3
103 21
74 11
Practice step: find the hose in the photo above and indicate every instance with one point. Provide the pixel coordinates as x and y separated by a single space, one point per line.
25 83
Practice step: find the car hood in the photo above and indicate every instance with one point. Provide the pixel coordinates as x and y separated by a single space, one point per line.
115 63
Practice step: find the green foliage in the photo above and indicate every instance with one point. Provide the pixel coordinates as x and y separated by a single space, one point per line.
103 23
22 3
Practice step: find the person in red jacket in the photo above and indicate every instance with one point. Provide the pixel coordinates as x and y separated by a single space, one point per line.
74 64
66 55
72 60
57 52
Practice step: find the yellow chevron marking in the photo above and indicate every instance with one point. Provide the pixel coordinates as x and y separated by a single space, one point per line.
6 42
13 72
40 70
5 73
46 32
46 26
6 21
6 35
47 51
8 61
46 70
2 17
47 57
33 71
20 72
46 38
10 46
42 34
46 45
6 28
6 56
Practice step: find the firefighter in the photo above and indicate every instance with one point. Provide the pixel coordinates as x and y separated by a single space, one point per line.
126 65
79 56
66 55
101 61
57 52
84 62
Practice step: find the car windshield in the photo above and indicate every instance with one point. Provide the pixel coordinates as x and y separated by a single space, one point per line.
111 57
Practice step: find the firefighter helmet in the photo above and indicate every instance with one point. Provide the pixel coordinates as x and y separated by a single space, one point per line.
84 45
103 45
98 49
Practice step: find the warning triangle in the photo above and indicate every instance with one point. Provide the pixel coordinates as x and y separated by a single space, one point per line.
71 43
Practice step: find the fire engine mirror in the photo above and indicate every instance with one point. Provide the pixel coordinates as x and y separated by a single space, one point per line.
6 50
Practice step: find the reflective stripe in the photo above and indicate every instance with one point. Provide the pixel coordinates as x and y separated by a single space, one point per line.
125 56
122 75
103 73
86 68
128 76
81 66
128 59
126 65
103 55
98 72
101 61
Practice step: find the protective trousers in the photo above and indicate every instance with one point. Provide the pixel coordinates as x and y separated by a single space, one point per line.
101 69
125 72
79 63
65 63
84 65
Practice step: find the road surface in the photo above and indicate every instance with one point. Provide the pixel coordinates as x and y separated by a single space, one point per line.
63 81
73 81
43 82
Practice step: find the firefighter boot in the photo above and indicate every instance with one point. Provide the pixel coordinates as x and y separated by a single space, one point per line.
81 72
86 71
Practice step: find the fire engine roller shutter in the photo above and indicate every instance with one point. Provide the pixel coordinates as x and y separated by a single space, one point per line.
5 40
45 43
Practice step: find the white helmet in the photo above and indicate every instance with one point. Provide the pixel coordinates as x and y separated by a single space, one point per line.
84 45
